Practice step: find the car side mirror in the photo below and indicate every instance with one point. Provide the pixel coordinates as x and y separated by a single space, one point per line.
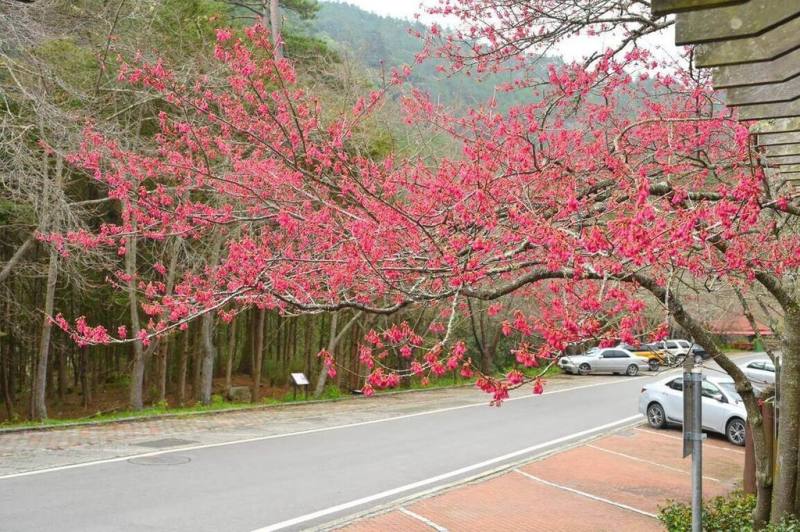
722 399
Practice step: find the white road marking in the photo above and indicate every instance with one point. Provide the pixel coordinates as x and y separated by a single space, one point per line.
444 476
711 445
648 462
299 433
587 495
423 519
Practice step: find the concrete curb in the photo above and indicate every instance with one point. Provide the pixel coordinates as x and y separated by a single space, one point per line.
474 479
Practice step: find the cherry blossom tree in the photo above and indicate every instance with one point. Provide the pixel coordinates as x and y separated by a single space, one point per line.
615 184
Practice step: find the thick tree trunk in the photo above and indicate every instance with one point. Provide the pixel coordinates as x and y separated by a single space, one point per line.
231 354
783 496
5 381
39 385
135 392
86 389
307 344
323 373
207 334
275 26
333 341
183 364
246 363
197 365
163 350
209 355
62 375
258 348
40 380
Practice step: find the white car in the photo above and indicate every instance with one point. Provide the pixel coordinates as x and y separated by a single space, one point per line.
723 410
608 360
675 348
761 373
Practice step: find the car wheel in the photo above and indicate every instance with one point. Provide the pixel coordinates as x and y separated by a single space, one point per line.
656 417
679 360
653 364
632 371
735 431
584 369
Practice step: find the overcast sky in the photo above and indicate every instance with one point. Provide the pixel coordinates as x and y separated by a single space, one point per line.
390 8
572 49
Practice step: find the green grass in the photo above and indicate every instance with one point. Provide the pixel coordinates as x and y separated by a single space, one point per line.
117 415
218 403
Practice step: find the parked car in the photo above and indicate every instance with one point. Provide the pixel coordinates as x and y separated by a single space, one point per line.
699 352
723 410
609 360
655 358
675 351
761 373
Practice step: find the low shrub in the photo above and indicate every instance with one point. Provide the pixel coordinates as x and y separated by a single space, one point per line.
731 513
331 392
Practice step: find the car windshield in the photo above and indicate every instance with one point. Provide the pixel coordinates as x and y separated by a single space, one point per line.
730 389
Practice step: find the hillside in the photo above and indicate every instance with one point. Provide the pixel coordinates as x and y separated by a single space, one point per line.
384 42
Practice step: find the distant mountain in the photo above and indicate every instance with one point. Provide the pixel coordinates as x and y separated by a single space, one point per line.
384 42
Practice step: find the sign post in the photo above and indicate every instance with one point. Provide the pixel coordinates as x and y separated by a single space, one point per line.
693 438
299 379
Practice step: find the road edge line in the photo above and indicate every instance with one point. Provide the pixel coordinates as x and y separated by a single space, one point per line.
583 435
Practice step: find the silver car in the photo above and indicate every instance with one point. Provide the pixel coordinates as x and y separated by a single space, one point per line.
761 373
723 410
609 360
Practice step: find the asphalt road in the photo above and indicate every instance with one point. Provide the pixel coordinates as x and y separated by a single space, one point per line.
303 480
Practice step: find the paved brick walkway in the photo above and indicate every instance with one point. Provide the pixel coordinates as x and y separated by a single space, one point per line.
613 483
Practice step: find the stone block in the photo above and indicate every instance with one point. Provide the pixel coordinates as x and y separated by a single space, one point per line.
239 394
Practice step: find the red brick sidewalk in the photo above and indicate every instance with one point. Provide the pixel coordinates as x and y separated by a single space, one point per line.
616 482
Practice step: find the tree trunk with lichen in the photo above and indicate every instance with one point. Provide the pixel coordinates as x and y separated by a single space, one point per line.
786 467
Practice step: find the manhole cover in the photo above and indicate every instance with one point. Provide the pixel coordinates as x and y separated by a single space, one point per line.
164 443
161 459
